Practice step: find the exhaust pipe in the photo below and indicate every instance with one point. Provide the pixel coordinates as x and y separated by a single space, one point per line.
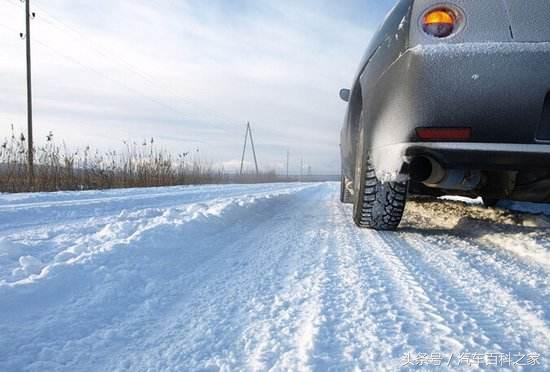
431 173
421 169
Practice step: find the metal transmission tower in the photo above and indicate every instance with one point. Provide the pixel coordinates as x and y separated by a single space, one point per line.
30 155
246 135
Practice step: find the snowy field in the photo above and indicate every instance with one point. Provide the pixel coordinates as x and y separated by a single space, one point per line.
266 276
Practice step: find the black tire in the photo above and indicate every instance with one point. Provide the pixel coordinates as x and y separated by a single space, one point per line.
377 205
345 195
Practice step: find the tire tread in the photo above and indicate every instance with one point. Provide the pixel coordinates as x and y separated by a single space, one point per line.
382 204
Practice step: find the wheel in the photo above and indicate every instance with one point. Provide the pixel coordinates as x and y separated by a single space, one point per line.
345 195
377 205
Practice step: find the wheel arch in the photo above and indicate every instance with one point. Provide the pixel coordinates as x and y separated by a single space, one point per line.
356 108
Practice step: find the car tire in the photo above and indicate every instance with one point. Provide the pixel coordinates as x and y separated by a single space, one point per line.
377 205
345 194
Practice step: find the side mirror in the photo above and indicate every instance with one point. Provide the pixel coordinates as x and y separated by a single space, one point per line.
345 94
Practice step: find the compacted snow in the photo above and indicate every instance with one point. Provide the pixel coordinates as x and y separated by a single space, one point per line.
267 277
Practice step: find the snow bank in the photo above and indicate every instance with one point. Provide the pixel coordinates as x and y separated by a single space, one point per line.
86 227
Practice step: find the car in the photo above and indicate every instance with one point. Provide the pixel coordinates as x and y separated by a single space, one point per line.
451 98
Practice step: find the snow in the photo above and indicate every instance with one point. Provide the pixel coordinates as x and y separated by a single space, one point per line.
402 24
478 48
264 277
534 208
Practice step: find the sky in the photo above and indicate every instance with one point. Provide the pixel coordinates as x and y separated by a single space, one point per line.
190 74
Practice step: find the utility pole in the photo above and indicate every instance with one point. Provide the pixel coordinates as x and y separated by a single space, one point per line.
253 149
287 163
29 95
302 169
244 150
246 135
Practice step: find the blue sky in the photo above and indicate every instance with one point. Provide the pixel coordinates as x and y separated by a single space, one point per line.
189 73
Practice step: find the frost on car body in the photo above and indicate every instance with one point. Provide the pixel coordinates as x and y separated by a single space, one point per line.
450 98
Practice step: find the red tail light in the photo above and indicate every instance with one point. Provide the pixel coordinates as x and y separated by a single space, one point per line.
444 134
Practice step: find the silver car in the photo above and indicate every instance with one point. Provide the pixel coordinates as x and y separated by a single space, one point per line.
453 98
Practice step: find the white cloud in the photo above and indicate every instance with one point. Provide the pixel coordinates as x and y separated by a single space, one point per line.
198 71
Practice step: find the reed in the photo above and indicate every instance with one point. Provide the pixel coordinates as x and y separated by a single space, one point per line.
143 164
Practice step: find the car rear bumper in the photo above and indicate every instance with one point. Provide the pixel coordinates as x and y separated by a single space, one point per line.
497 89
391 161
482 156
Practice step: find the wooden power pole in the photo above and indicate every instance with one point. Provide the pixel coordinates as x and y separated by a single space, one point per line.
29 95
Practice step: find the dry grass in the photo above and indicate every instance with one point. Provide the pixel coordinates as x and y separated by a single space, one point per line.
139 165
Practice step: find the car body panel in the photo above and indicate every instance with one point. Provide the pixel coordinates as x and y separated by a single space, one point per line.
479 93
388 42
481 21
538 14
493 76
496 89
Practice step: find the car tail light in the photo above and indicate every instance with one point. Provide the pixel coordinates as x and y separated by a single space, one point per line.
444 134
440 22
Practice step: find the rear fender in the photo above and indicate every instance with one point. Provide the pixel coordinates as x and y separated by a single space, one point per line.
480 21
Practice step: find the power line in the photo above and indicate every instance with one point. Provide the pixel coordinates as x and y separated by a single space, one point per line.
110 56
105 76
14 3
102 74
106 54
10 28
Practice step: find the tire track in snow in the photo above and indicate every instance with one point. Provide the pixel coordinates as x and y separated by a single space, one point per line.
396 310
360 329
527 284
346 335
262 312
382 308
464 327
282 335
529 245
517 327
442 315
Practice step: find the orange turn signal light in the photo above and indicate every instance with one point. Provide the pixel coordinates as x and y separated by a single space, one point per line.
439 22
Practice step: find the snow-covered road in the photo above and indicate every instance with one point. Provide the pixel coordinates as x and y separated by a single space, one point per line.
265 276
